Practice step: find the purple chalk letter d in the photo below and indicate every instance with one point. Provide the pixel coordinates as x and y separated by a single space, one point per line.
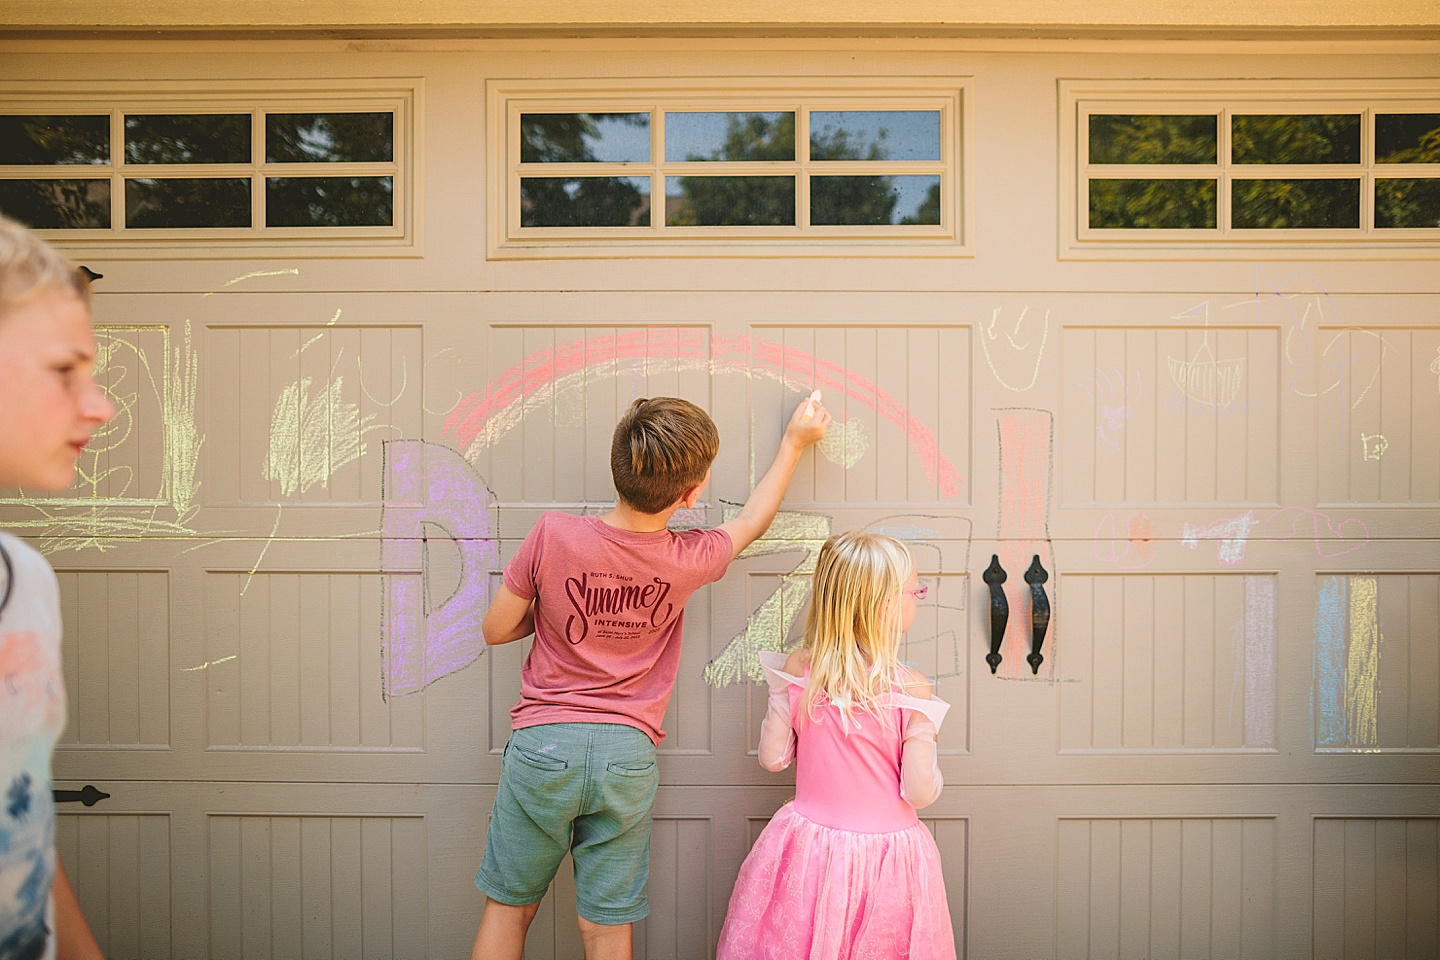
430 492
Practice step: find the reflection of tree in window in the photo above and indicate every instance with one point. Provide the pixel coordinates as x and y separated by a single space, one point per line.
1302 138
748 201
576 202
853 199
1147 138
329 137
1152 204
31 141
929 210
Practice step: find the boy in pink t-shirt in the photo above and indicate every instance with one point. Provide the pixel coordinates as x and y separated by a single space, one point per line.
605 598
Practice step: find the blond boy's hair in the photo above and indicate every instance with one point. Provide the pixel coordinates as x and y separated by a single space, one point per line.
662 447
853 628
29 265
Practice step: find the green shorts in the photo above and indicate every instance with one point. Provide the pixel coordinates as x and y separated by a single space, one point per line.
586 788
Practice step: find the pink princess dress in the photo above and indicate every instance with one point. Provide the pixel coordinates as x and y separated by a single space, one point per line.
845 871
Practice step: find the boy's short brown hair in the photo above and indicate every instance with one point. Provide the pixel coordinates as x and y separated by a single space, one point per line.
29 265
663 446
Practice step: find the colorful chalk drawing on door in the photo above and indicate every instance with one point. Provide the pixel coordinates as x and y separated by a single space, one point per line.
426 640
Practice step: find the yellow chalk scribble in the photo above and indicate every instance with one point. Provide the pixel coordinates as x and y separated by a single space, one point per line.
769 626
1362 666
292 272
845 443
312 437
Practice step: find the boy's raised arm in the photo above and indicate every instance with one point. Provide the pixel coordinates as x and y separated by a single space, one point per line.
807 426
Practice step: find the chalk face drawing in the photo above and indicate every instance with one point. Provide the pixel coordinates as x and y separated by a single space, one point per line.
1347 663
431 493
1015 351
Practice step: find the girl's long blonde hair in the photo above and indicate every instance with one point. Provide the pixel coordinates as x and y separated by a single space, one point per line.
853 629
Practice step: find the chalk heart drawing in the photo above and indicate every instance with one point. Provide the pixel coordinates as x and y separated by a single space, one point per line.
845 443
1373 445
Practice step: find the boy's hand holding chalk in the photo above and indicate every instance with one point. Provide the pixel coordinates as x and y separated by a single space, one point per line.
809 422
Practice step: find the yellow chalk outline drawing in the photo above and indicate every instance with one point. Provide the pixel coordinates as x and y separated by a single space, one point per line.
988 334
95 523
1373 445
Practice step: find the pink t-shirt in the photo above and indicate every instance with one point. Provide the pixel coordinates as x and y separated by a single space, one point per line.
609 617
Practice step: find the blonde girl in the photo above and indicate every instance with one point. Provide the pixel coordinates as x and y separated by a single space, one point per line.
846 869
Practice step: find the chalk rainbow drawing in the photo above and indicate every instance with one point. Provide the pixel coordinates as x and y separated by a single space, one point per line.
544 378
426 640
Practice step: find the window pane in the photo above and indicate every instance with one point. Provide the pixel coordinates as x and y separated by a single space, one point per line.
1306 204
1407 203
57 204
1153 138
202 138
47 140
585 201
875 200
1306 138
584 137
330 137
729 136
1407 138
729 201
187 203
875 135
328 202
1152 204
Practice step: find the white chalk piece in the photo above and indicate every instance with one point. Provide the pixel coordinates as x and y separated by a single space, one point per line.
810 404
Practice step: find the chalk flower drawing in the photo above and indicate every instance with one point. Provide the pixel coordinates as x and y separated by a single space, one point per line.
312 437
1110 396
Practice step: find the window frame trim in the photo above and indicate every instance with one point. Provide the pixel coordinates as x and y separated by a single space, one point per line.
1078 99
403 96
506 99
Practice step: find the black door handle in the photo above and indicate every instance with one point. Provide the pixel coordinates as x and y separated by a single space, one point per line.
994 575
1039 612
89 796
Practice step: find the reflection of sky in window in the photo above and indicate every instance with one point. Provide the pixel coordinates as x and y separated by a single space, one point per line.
620 137
899 134
910 192
702 136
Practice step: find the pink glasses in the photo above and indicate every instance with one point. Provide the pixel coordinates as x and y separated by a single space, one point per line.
919 592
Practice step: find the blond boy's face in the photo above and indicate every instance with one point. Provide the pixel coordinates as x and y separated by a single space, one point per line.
50 404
